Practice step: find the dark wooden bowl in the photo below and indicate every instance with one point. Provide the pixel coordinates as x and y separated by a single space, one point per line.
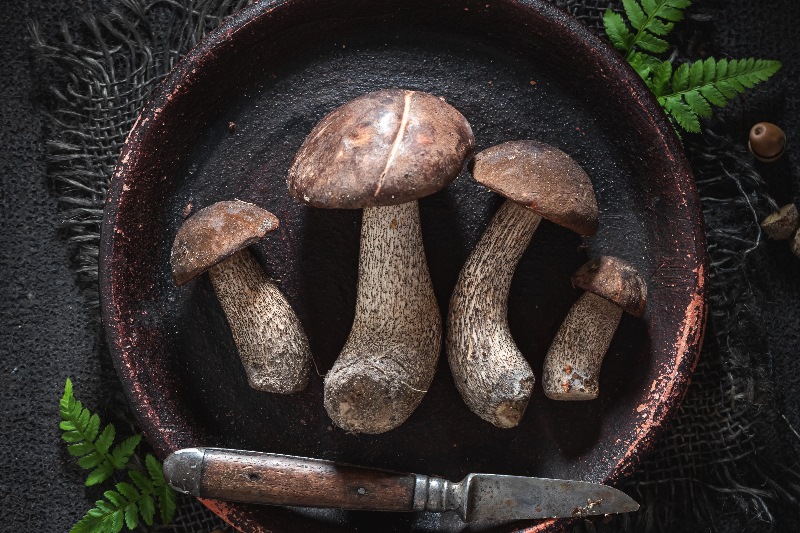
516 69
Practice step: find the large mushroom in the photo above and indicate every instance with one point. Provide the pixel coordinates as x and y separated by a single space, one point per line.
572 365
269 337
539 181
381 152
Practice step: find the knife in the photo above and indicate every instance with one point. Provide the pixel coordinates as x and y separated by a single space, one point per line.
267 478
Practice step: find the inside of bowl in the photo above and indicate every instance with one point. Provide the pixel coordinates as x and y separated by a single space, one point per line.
236 123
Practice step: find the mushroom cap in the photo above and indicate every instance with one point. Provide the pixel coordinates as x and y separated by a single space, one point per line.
616 281
542 178
215 233
383 148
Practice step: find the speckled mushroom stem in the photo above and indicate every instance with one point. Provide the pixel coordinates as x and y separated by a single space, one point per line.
571 368
272 344
491 374
390 357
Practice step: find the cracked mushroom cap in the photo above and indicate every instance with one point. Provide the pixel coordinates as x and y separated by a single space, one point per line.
616 281
542 178
383 148
215 233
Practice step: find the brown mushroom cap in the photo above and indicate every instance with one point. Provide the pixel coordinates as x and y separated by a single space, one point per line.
216 233
616 281
542 178
383 148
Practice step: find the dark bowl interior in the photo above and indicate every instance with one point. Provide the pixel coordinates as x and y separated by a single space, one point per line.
226 125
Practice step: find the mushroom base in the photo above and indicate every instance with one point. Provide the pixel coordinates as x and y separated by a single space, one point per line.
572 366
272 345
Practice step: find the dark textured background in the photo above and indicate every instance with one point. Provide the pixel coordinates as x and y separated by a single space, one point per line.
46 334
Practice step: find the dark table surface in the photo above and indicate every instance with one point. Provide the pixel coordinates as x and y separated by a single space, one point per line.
47 334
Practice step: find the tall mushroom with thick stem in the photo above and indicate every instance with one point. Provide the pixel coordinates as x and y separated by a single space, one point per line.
572 366
269 337
539 181
381 152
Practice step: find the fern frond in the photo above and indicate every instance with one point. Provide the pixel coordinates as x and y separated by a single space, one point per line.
644 64
129 505
618 33
650 19
81 431
166 495
119 508
696 87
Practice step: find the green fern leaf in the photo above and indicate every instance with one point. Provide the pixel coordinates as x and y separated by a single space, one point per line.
132 516
90 461
81 430
116 499
116 520
80 449
147 509
106 439
155 471
680 78
662 76
698 104
636 16
651 43
127 491
141 481
103 471
652 20
618 33
644 64
696 74
708 82
128 505
712 94
681 113
167 501
123 451
709 70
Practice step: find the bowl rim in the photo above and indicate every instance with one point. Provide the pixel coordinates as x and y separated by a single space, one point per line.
609 60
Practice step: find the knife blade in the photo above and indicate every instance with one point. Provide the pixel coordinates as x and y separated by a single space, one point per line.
266 478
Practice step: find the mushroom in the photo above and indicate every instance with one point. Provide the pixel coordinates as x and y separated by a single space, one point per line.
572 365
538 180
272 345
782 224
767 142
381 152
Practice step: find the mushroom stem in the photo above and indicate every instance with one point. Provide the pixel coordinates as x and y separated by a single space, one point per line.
390 357
572 366
272 345
491 374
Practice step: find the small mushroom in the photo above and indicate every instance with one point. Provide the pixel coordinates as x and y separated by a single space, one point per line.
538 180
767 142
572 365
794 246
272 345
381 152
782 224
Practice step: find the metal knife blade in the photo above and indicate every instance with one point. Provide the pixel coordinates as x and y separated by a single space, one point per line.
266 478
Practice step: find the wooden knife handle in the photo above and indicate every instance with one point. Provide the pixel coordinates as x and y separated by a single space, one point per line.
285 480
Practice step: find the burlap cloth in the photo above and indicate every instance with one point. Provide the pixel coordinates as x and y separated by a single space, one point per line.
729 460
